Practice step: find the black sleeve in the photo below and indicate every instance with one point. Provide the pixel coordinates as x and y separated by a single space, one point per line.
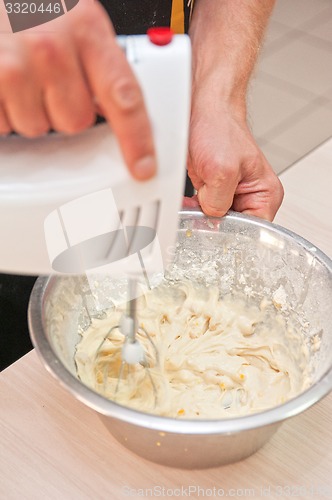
134 17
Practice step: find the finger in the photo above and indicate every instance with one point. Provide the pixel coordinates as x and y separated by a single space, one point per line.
190 202
263 203
21 96
262 194
216 196
5 127
195 179
99 109
118 93
68 101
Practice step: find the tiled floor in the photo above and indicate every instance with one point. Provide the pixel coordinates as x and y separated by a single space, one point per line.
290 100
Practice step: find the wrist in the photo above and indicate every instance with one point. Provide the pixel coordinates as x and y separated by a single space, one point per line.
226 36
218 78
212 96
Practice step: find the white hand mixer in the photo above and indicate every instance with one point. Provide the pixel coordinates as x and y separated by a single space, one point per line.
69 205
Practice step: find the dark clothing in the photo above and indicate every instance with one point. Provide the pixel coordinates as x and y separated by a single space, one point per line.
14 333
135 17
132 17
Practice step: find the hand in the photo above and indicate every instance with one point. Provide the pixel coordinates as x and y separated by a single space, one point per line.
226 166
57 75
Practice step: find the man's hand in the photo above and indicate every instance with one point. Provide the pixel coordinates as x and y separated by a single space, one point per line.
227 168
225 164
57 79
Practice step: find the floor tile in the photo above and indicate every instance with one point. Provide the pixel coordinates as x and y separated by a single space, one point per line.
290 97
296 12
275 31
278 36
302 64
281 82
279 158
328 93
305 134
307 181
323 29
270 106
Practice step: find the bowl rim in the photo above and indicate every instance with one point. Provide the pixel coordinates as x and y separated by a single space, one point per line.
109 408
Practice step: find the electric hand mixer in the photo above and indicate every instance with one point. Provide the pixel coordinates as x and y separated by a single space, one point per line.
69 205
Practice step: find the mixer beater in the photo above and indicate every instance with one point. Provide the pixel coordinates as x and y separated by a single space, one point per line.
121 356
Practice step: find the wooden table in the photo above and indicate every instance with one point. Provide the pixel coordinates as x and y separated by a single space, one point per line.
53 447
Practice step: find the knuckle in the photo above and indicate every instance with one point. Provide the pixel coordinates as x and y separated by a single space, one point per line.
87 23
77 123
127 95
227 170
217 173
87 13
11 72
84 122
45 49
254 160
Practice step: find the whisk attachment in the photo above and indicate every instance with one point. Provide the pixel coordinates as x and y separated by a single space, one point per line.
132 355
132 351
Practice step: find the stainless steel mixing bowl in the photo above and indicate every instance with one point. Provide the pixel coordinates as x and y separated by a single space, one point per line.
239 253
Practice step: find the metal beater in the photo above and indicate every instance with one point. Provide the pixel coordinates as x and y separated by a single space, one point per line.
132 351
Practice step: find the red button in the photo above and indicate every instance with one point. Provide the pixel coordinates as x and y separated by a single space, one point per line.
160 36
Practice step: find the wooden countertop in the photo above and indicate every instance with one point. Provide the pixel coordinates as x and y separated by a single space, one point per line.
53 447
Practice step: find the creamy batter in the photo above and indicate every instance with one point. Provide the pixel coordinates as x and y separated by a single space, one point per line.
217 357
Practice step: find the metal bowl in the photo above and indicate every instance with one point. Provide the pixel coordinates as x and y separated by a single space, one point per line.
239 253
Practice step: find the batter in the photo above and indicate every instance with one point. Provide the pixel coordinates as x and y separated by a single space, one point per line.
217 357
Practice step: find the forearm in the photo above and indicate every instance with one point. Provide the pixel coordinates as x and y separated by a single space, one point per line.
226 36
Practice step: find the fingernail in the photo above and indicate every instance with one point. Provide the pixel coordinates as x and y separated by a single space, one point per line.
145 168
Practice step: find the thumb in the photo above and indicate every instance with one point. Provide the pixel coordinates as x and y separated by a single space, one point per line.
217 200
